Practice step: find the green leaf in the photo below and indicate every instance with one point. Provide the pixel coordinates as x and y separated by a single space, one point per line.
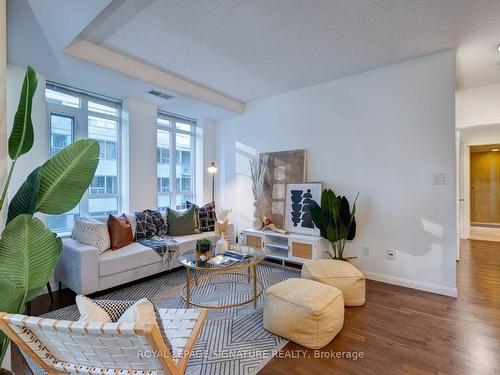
29 253
66 176
331 233
21 137
25 200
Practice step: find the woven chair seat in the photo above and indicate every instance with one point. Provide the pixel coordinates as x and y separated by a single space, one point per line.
61 346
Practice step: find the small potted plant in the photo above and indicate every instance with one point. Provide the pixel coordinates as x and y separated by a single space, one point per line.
203 249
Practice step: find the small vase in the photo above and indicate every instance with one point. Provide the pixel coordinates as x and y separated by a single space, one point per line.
221 246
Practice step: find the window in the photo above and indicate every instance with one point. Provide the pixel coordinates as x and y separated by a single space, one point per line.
75 115
175 161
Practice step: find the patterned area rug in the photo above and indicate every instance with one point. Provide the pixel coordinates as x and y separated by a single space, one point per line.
233 340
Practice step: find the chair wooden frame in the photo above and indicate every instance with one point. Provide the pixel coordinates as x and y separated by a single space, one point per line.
149 331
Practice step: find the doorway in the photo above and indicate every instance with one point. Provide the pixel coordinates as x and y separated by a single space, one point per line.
484 197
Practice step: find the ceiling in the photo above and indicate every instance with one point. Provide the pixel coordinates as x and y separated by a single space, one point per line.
249 50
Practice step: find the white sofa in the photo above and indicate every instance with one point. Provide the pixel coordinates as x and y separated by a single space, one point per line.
83 270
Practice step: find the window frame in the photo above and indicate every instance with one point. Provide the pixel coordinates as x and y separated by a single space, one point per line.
173 131
80 131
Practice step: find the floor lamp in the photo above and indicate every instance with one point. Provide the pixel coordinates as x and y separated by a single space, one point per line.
212 169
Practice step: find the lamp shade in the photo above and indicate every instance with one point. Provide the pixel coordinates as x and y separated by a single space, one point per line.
212 168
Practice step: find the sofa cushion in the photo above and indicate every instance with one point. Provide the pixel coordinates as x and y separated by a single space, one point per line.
130 217
136 255
91 232
128 257
182 223
206 216
120 231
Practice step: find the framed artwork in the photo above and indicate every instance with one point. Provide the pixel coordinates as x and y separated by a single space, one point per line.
283 167
297 199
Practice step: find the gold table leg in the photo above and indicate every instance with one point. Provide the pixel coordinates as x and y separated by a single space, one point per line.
248 277
188 286
254 286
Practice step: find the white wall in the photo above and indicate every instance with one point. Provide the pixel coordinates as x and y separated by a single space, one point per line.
142 154
478 106
382 133
209 155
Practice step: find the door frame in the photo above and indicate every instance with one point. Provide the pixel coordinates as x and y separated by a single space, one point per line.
465 222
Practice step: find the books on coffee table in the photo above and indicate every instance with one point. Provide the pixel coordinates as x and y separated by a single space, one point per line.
227 259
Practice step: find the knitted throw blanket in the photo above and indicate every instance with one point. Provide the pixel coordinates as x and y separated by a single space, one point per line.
164 245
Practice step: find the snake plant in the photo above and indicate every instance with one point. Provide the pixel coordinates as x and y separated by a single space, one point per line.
335 221
29 251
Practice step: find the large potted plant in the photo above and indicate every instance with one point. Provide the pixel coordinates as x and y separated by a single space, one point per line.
335 221
29 251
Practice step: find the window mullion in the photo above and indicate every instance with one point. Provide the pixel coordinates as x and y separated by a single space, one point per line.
173 166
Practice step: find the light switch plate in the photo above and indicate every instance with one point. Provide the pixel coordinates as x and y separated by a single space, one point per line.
439 179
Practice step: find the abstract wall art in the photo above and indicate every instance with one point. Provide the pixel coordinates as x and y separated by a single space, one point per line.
283 167
297 215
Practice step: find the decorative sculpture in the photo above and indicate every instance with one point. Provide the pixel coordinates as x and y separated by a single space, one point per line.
269 225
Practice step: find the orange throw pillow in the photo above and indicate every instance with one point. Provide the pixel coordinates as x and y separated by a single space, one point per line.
120 231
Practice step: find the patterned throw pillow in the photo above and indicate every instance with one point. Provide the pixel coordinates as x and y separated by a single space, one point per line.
149 223
160 224
92 232
102 311
206 216
117 311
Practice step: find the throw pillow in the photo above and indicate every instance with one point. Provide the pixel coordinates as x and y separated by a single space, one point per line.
150 223
101 311
144 311
206 216
182 223
91 232
120 231
116 311
160 224
146 227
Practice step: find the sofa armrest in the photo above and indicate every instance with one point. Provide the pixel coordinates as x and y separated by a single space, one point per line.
78 267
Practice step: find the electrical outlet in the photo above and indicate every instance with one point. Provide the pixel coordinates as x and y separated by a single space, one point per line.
366 251
390 254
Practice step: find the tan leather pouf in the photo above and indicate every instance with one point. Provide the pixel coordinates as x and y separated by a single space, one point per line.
304 311
339 274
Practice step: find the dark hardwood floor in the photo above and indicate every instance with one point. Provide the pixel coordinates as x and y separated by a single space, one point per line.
398 330
405 331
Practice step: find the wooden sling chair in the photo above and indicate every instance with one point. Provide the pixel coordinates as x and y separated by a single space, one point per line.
68 347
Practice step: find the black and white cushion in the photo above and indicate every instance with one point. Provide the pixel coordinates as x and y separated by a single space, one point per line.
94 310
118 311
149 223
206 216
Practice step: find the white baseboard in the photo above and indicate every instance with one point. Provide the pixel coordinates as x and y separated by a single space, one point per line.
427 287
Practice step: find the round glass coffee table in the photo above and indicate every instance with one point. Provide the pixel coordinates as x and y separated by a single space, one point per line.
201 273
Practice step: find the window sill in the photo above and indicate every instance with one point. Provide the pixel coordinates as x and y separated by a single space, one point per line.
63 234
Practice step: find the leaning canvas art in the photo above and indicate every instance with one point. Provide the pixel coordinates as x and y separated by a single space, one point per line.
298 198
282 167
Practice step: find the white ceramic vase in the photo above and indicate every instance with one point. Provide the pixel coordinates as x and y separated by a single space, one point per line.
221 246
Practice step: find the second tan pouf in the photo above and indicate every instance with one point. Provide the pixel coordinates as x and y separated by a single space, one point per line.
304 311
339 274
